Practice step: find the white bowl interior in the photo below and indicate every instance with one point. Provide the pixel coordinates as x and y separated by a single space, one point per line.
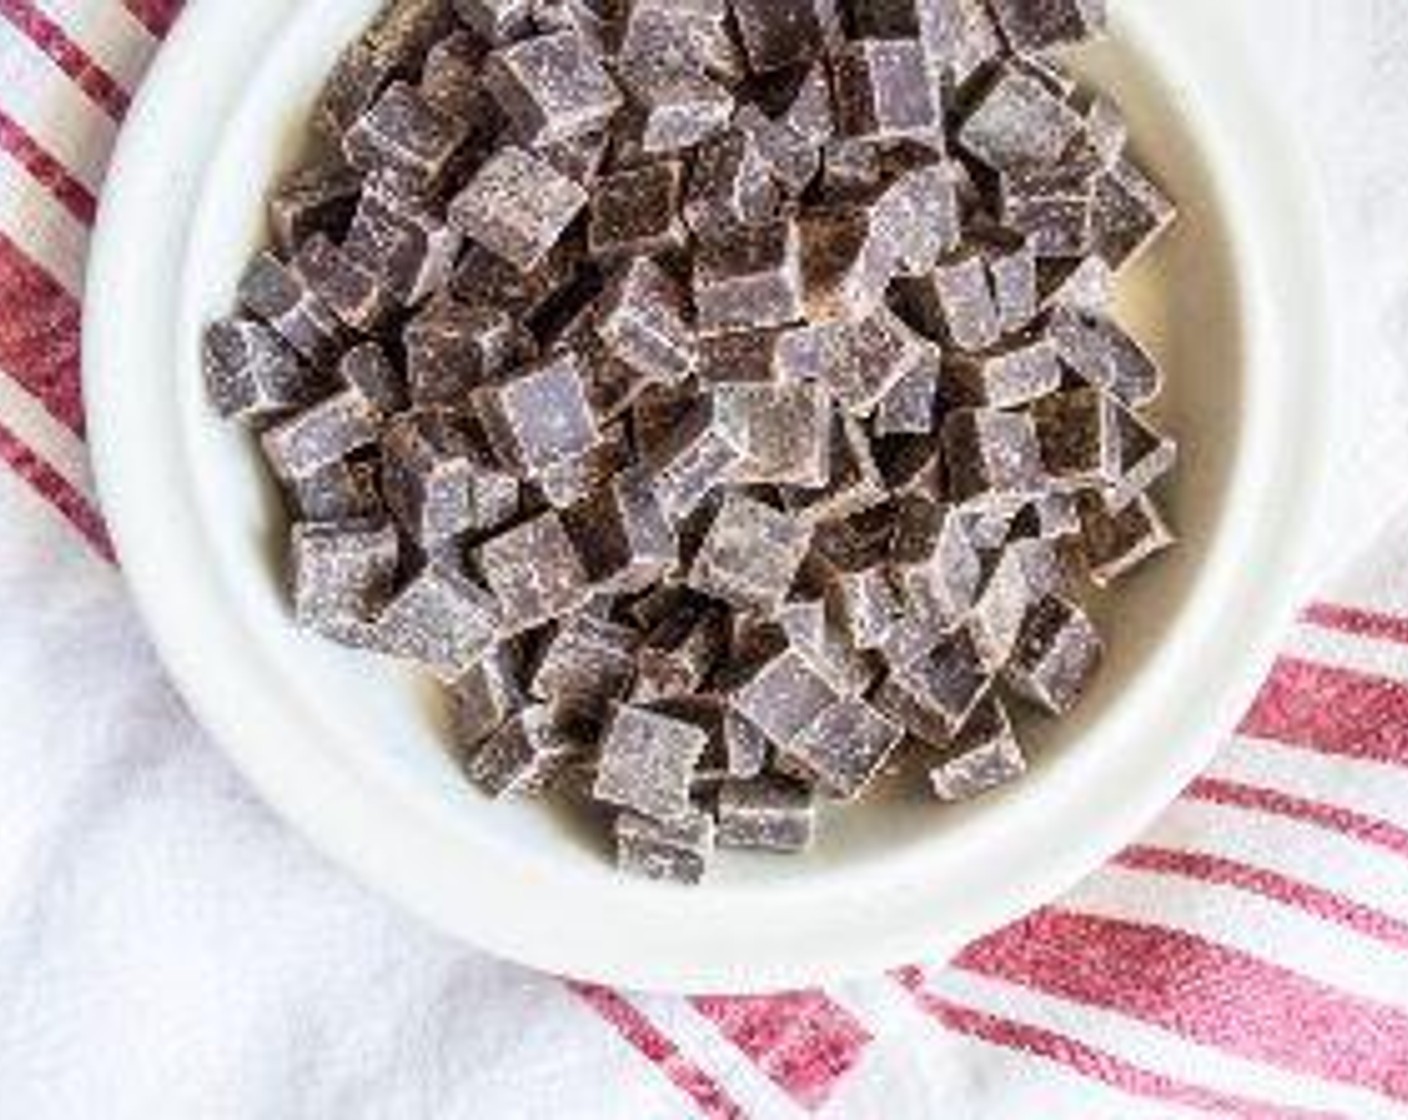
389 723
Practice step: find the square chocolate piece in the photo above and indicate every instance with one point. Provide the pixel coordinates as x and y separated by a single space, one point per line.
647 763
677 852
934 694
858 362
673 108
586 664
1053 207
751 555
347 490
741 358
534 572
1023 371
441 619
351 292
622 534
1019 124
496 20
984 755
320 198
1026 573
450 78
679 653
453 348
695 457
1055 657
341 574
784 432
486 696
640 320
1117 542
780 33
540 418
368 370
934 559
251 372
1129 213
524 756
747 279
276 294
854 481
911 406
438 482
518 207
883 90
635 212
1105 355
784 695
769 814
404 134
844 749
991 454
328 431
846 268
954 303
729 186
1032 26
552 87
398 238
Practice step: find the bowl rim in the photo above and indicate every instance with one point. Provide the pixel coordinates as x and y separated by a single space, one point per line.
152 192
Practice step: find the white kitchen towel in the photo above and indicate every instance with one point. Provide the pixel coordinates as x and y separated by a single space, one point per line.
169 949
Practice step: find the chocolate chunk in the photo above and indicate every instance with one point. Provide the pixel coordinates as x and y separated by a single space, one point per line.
696 457
985 754
748 279
911 405
751 555
350 292
809 625
1019 124
346 490
679 652
552 87
676 852
622 534
534 572
780 33
883 90
845 267
572 481
912 466
689 35
916 215
729 187
441 619
741 358
784 432
783 695
1026 573
438 481
854 482
368 370
1106 356
935 561
524 756
321 434
320 198
790 153
1139 456
397 238
640 320
481 277
453 349
581 157
1115 543
283 299
673 107
933 695
1128 213
1016 375
518 207
844 749
647 761
251 372
1106 130
636 211
496 20
954 303
991 454
1038 25
770 814
404 134
586 664
539 419
859 362
1012 271
450 79
1053 208
961 39
1055 656
486 696
1082 284
341 574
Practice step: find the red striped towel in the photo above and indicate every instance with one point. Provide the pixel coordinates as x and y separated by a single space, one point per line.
167 949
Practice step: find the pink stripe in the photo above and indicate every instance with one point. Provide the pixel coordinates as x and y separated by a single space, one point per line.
57 491
1370 830
39 335
804 1041
627 1020
1220 997
1357 621
45 168
1090 1062
1280 888
156 16
72 59
1333 711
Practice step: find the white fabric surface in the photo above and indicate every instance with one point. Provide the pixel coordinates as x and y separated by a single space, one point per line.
169 949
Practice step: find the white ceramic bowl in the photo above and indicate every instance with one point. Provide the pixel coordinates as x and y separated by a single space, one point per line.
351 749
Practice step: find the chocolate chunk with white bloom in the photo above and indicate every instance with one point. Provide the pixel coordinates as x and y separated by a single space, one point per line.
341 575
985 755
518 207
534 573
1038 25
401 239
275 293
991 454
1057 653
622 534
452 349
324 433
524 756
1117 542
780 33
844 749
934 694
405 134
751 555
1099 350
748 279
769 814
636 211
539 418
678 851
586 664
486 695
251 372
647 762
320 198
552 87
883 90
441 619
1019 123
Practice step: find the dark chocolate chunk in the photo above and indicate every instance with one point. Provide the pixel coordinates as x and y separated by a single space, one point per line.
622 534
1106 356
1055 656
783 430
636 211
441 619
534 572
883 90
453 349
770 814
844 749
1115 543
486 696
346 490
1019 123
678 851
349 291
730 185
1031 26
524 756
398 238
405 134
859 362
279 296
539 418
518 207
784 695
911 405
780 33
322 434
985 755
934 694
586 664
673 108
695 458
1016 375
647 762
1128 213
251 372
991 454
747 279
450 79
320 198
341 575
552 87
640 321
679 652
751 555
496 20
